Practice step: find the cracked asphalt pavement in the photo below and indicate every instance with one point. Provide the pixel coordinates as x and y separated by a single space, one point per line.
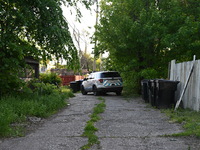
125 125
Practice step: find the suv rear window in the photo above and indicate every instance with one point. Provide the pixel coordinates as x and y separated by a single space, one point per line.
109 74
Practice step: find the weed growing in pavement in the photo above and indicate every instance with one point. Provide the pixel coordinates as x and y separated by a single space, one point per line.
100 98
95 117
99 108
188 118
90 129
16 109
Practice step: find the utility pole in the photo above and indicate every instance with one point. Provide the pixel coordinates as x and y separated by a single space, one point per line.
95 42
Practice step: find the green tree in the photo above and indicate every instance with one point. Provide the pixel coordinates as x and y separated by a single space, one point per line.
142 36
86 61
33 28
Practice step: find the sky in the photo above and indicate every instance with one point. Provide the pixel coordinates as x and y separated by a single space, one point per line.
85 28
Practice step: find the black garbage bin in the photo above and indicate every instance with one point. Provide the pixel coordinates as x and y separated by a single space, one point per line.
165 93
145 91
74 86
152 91
79 83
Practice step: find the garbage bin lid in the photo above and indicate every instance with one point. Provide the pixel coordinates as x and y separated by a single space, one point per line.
145 80
152 80
166 81
79 80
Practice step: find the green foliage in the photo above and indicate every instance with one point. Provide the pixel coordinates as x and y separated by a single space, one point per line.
101 98
44 89
9 83
67 91
51 78
130 82
149 73
142 37
86 61
99 108
34 28
95 117
89 128
16 109
39 88
188 118
6 117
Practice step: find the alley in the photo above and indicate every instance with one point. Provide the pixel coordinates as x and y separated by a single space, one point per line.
126 124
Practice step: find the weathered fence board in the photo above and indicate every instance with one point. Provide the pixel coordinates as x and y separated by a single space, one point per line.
179 72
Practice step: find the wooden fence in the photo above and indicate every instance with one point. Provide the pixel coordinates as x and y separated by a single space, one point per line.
180 72
67 79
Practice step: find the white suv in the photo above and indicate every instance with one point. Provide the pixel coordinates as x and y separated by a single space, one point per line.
102 82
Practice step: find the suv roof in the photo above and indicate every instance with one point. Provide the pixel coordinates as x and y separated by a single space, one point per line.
104 71
106 74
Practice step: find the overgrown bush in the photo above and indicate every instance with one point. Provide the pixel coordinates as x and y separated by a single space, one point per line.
130 82
50 78
39 88
9 84
149 73
44 89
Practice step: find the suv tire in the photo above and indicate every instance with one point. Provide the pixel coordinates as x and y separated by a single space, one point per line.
118 93
96 93
83 90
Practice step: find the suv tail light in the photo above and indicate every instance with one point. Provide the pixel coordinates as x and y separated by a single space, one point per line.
101 80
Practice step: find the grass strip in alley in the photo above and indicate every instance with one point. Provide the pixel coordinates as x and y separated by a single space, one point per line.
90 129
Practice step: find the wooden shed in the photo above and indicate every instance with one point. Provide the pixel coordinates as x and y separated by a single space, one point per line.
33 71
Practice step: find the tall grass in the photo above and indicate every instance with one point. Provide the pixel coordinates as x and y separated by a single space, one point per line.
188 118
16 109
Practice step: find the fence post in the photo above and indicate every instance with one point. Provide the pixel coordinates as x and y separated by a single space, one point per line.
172 69
185 86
